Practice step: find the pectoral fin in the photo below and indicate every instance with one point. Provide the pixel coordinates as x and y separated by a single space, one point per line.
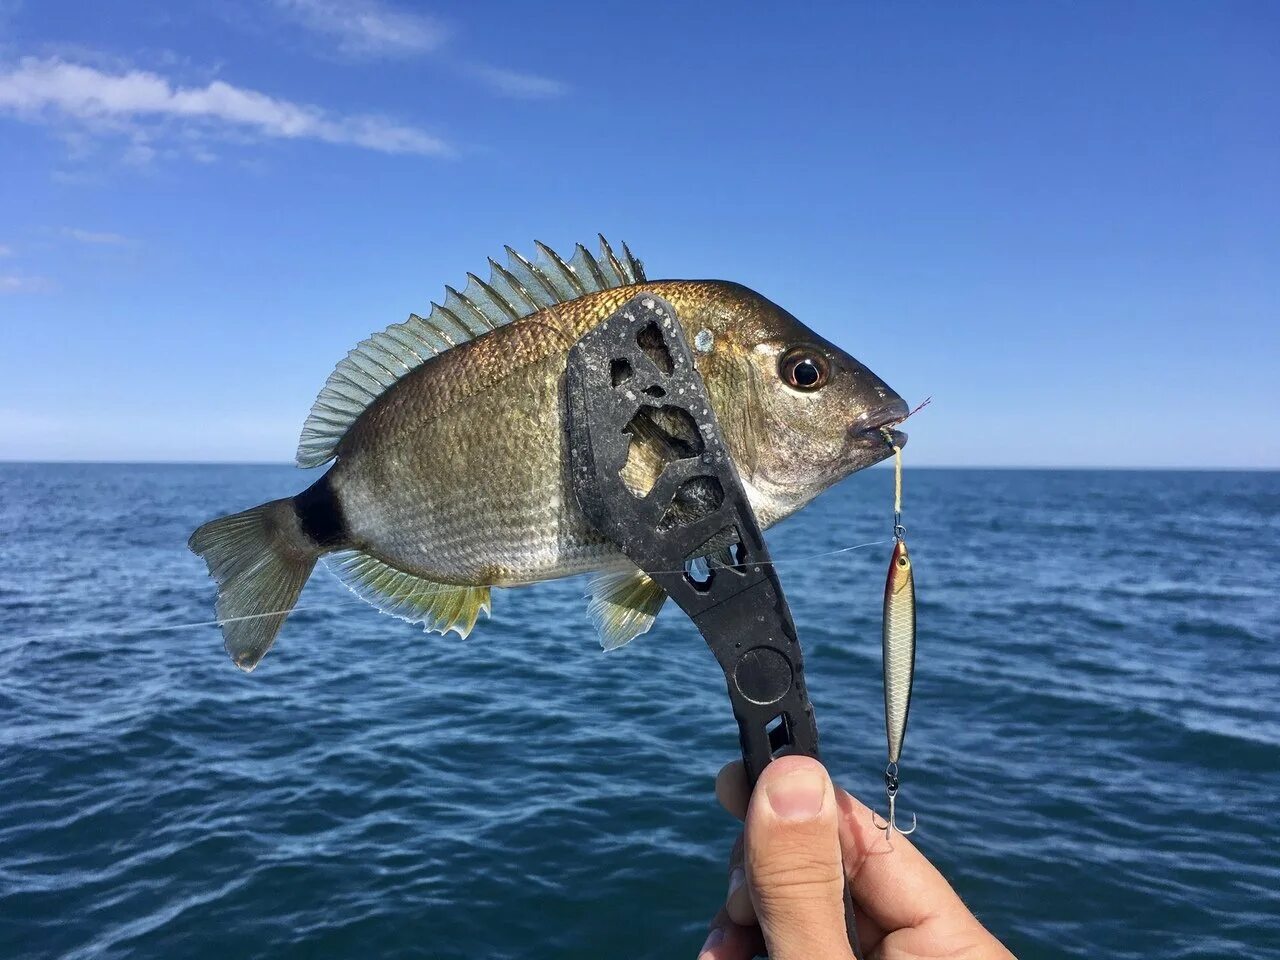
623 606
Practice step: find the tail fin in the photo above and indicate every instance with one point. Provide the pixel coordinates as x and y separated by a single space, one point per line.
260 559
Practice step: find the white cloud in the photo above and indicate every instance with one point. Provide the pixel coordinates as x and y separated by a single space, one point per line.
90 236
19 283
133 103
373 29
367 28
512 83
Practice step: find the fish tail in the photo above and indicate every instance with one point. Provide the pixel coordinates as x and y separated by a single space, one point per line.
260 559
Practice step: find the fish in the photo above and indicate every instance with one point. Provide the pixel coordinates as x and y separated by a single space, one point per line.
448 470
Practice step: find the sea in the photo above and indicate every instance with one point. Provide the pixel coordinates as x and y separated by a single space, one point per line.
1093 754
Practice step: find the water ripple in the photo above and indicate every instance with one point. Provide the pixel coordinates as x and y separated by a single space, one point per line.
1094 750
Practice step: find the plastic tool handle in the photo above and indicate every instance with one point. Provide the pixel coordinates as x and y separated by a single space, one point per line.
634 374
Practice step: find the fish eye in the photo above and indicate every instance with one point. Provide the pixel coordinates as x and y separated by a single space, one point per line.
803 369
902 561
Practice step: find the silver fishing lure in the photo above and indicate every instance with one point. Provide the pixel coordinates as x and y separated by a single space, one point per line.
899 650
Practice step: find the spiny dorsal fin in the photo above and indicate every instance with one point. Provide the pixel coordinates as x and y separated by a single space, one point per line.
518 290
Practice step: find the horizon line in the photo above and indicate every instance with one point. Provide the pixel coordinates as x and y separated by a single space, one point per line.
885 465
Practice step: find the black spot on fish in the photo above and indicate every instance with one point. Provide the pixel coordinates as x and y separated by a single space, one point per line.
320 514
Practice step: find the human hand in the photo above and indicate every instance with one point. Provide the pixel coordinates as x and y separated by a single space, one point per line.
803 839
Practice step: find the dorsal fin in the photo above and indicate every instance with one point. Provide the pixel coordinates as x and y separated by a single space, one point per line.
518 290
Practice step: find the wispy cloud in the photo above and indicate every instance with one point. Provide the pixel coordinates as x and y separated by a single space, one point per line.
372 29
367 28
5 250
513 83
23 283
93 237
145 106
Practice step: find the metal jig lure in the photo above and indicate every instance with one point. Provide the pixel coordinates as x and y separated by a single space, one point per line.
899 648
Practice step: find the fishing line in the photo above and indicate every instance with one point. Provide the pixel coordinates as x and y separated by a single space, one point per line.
420 595
164 628
787 561
899 531
897 480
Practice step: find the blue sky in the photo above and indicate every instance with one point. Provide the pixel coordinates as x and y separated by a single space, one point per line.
1062 221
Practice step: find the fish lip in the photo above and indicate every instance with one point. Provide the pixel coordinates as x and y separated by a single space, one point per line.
868 430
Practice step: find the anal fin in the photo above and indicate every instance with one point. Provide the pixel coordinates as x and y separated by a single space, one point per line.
439 607
623 606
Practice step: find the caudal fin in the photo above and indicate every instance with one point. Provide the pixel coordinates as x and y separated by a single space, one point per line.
260 560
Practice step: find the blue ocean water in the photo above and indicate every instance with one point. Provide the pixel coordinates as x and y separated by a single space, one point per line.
1094 749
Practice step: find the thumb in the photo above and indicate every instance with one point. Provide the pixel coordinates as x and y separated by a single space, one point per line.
793 862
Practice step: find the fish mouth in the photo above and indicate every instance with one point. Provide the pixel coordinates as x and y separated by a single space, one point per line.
871 429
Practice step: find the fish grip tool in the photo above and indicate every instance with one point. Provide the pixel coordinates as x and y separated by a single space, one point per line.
628 373
633 374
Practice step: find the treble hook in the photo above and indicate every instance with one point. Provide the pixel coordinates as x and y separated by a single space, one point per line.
891 793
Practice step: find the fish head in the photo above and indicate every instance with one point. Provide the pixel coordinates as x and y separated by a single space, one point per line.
798 413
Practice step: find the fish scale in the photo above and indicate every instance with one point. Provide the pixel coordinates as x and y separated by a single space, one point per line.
427 524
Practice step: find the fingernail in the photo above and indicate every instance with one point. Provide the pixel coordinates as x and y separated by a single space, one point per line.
737 878
714 939
797 796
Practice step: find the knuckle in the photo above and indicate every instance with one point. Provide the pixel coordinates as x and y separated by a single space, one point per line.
795 905
800 876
